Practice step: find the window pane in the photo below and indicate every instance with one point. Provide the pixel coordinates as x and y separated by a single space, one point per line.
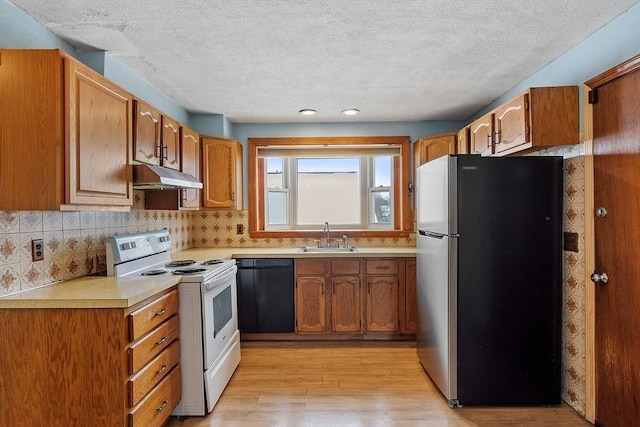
274 172
381 207
382 171
328 190
277 205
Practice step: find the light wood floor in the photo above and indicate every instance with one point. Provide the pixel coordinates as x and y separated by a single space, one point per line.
350 384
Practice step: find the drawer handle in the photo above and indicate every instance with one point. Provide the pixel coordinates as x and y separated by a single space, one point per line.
161 312
382 267
161 408
161 370
162 341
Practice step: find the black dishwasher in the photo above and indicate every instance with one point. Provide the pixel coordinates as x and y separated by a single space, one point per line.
265 295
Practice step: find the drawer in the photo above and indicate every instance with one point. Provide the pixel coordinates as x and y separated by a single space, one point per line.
156 407
382 266
310 267
350 266
145 349
140 384
151 315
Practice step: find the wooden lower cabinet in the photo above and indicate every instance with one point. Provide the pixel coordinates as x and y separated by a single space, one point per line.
85 366
408 306
351 297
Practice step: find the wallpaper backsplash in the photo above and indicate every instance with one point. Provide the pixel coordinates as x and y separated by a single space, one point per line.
74 246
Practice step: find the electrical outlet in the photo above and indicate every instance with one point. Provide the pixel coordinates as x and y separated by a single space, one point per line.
37 250
239 229
570 241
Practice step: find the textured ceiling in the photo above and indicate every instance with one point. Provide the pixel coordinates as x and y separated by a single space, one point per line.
263 60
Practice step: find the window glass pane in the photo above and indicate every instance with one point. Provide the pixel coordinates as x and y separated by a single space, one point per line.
328 190
381 207
382 171
277 205
274 172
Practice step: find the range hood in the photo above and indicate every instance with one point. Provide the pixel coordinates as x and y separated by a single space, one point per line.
148 177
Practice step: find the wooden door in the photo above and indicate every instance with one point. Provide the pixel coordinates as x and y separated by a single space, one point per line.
190 148
616 133
512 124
99 139
345 304
481 136
310 304
170 143
382 303
146 133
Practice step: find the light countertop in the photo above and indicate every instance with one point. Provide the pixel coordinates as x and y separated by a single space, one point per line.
123 292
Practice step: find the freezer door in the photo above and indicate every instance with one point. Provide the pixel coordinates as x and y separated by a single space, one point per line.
436 201
436 336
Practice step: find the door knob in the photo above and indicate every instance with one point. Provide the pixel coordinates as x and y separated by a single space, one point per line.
599 277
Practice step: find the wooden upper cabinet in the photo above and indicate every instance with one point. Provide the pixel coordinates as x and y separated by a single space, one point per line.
190 148
462 143
432 147
481 136
170 143
539 117
221 173
147 124
64 129
99 139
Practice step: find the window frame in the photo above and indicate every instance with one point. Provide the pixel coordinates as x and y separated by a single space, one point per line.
401 166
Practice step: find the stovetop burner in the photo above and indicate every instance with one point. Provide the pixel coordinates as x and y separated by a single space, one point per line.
211 262
153 272
193 270
180 263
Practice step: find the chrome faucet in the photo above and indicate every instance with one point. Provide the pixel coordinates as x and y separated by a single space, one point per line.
325 228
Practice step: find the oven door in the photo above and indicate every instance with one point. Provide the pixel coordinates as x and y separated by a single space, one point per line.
219 313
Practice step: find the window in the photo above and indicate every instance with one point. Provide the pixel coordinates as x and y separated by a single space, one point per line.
352 183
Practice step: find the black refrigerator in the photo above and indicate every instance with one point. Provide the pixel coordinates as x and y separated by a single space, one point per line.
489 278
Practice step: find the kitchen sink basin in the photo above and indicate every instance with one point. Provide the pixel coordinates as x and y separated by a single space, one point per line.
327 250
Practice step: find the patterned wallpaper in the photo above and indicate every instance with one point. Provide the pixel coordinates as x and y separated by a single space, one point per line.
74 247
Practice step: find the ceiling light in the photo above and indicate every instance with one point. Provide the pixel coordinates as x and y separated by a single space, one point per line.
350 111
307 112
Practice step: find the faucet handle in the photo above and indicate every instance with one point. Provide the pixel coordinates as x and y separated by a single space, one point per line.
345 240
317 242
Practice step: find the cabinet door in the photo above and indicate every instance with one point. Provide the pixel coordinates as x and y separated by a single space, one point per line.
310 304
382 303
98 139
481 136
440 146
170 143
221 173
512 124
345 304
462 144
147 132
409 316
190 148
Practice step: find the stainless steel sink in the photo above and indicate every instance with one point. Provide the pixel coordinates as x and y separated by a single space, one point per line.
327 250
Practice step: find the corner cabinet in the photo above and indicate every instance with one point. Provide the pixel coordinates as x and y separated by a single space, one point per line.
66 135
540 117
221 173
428 148
91 366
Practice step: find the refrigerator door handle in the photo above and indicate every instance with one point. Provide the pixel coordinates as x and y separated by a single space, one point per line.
436 235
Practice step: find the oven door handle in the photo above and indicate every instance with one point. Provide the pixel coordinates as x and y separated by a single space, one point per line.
219 280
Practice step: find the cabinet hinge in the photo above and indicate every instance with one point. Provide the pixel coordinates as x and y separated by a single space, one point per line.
526 105
526 130
593 96
410 187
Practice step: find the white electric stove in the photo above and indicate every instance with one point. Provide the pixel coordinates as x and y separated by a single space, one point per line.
209 337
